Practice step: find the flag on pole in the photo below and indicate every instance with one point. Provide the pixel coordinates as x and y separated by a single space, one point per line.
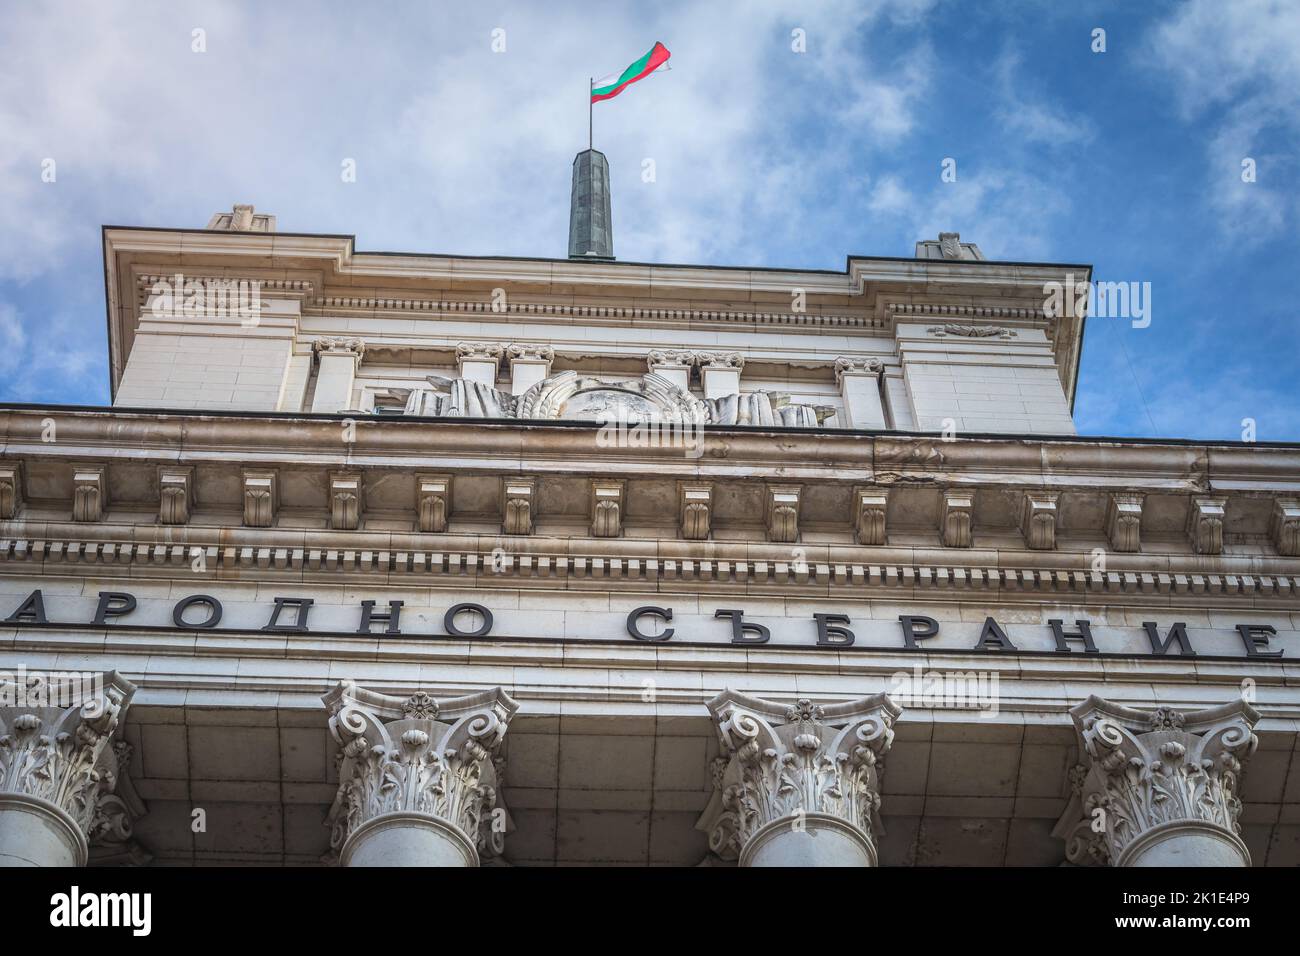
611 86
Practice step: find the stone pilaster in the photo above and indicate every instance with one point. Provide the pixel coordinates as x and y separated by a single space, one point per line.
1157 788
336 372
529 364
479 361
419 779
720 373
672 364
859 382
798 785
58 769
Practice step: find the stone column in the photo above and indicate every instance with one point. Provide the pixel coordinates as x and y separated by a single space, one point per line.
419 780
57 765
479 362
1157 788
798 785
859 382
529 364
339 359
720 373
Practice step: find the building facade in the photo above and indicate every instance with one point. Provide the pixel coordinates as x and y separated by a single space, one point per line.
385 559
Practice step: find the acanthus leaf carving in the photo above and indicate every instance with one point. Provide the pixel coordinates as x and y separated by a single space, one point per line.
1148 769
55 744
417 755
780 760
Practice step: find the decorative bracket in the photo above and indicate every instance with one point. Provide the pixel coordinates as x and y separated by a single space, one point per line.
175 494
958 518
347 500
433 502
89 492
1124 522
869 508
782 509
517 496
607 507
695 502
261 497
1038 515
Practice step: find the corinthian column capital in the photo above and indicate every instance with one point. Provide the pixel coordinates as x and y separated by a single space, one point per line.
1158 788
790 769
419 779
56 764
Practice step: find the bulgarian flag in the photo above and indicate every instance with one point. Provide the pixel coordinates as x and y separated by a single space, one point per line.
611 86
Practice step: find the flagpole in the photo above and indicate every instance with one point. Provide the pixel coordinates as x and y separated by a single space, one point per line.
591 85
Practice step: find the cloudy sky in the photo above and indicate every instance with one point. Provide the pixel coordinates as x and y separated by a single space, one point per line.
1129 159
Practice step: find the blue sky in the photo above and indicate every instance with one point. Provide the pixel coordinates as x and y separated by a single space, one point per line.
1129 159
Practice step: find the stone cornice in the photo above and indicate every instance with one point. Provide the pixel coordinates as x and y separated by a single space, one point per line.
123 451
327 273
565 563
891 459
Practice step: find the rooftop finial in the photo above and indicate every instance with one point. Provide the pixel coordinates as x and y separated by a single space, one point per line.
591 231
242 219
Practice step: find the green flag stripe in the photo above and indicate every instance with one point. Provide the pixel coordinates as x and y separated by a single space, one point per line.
630 73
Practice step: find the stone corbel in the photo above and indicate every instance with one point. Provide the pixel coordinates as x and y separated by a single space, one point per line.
57 765
1038 520
1157 788
261 497
958 519
175 494
11 490
869 508
789 773
1285 527
782 511
433 502
347 500
89 492
517 496
1205 525
607 506
695 504
1124 522
419 779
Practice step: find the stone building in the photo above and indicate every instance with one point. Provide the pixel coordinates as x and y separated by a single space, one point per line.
389 558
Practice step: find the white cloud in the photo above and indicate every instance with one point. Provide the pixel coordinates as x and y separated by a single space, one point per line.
1235 69
1033 118
12 338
